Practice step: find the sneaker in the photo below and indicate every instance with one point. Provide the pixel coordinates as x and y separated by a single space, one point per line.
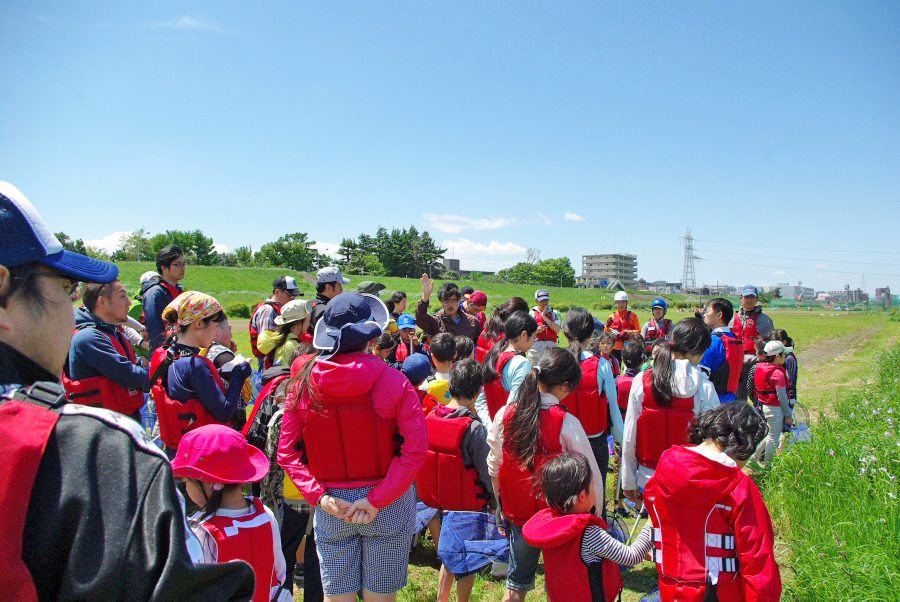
499 569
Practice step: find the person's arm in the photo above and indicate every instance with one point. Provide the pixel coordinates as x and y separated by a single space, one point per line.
635 325
280 567
475 450
573 439
219 404
779 382
597 544
495 447
554 323
428 323
96 350
705 398
645 328
481 408
629 438
754 546
291 459
155 301
518 368
607 383
134 324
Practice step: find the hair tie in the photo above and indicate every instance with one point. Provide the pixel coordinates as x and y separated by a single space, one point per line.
538 368
218 486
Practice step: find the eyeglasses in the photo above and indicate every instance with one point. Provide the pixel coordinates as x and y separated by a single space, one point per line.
177 264
450 302
70 286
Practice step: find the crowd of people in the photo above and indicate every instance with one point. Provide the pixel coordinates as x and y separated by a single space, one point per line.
360 425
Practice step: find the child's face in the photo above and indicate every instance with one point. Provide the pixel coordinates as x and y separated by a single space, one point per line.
779 359
653 352
606 347
382 353
523 342
195 492
405 334
586 500
658 313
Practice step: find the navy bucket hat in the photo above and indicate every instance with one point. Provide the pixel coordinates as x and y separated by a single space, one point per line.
349 320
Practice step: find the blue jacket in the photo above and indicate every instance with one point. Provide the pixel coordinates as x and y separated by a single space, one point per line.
715 355
190 378
154 301
92 354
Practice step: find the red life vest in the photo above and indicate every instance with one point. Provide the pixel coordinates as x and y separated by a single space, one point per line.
444 481
349 441
763 381
248 538
171 288
658 427
23 449
734 356
484 345
428 401
623 390
518 497
613 363
254 333
656 330
100 391
547 335
746 332
176 417
567 577
494 394
587 402
617 322
691 544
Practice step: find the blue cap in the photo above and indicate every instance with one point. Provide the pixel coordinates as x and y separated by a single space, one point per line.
27 238
749 291
659 302
405 322
416 367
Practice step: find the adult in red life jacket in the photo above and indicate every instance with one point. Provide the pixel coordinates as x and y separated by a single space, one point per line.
594 402
658 326
185 386
493 326
284 290
748 324
664 402
549 325
170 265
291 326
771 384
522 438
724 359
581 558
473 303
622 323
73 475
505 366
358 471
102 370
215 461
712 532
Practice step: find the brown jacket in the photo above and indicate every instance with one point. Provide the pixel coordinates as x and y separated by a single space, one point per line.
468 326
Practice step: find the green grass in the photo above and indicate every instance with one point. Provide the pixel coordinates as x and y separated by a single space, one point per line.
835 499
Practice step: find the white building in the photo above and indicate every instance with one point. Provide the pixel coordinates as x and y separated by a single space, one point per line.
608 271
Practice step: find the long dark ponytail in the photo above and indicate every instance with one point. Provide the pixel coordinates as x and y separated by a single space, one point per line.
494 324
515 325
579 325
690 335
522 434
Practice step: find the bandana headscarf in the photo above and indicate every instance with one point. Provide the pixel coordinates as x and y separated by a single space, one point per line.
191 306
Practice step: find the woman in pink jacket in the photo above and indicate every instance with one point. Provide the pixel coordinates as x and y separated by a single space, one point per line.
352 441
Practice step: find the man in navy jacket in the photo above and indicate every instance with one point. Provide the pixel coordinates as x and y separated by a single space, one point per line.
170 265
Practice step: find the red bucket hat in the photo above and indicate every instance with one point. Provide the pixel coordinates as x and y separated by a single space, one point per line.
218 454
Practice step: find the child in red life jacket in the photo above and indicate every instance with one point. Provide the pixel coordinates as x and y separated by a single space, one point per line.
186 388
493 327
214 462
602 344
790 363
581 558
408 343
522 438
594 401
712 532
505 366
455 478
658 327
771 384
663 402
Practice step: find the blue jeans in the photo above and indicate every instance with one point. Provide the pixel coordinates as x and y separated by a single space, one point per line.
523 562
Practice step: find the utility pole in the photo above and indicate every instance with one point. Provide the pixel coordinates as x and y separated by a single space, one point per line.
688 278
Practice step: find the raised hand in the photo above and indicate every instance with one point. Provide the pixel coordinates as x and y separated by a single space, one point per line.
427 286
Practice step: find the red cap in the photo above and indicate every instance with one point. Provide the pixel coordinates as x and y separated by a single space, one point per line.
478 298
218 454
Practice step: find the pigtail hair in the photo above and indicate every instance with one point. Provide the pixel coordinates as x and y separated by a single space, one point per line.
661 377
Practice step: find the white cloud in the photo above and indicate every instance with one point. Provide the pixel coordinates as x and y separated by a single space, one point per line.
109 243
188 22
573 217
779 272
544 218
220 248
457 223
327 248
465 248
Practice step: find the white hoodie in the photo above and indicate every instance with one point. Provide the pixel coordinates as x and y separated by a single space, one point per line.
687 381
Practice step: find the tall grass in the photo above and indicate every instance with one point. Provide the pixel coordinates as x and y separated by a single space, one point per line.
835 499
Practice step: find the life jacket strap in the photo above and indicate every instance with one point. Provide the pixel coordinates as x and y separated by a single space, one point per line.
724 542
715 564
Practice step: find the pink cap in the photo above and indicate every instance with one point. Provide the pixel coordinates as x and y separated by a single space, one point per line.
218 454
478 298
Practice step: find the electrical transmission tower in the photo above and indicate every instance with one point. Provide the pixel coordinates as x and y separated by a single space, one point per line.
688 280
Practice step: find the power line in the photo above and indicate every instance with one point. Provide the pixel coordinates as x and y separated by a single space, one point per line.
805 269
733 243
800 258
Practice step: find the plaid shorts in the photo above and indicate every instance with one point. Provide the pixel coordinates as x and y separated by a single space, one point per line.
374 556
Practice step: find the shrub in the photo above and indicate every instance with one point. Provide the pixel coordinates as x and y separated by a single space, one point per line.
602 305
562 307
237 310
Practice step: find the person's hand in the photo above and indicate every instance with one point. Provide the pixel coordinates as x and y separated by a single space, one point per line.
144 362
334 506
788 420
631 495
414 340
501 521
541 329
427 286
360 512
233 346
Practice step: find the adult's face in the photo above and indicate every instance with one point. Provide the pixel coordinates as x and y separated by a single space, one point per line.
621 305
223 333
711 318
400 306
175 271
281 296
39 330
748 302
114 308
450 305
333 289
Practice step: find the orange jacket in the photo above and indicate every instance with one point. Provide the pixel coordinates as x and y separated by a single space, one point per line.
632 325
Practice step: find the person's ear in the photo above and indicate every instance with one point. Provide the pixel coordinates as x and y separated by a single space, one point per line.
5 282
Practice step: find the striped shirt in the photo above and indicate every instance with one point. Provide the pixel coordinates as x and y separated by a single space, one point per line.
597 544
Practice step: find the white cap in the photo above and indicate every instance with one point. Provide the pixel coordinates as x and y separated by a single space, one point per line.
773 348
330 274
621 296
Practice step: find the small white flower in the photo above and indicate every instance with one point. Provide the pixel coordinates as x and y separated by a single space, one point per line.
892 496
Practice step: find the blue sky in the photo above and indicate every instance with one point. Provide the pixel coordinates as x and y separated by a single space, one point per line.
770 129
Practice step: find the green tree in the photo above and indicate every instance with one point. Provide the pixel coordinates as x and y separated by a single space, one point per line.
244 255
476 276
135 247
365 265
291 250
554 272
